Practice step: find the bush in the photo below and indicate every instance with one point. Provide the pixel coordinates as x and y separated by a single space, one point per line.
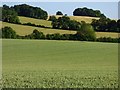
86 33
8 32
37 35
52 18
108 39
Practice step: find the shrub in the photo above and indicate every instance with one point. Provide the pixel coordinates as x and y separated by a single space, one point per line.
8 32
86 33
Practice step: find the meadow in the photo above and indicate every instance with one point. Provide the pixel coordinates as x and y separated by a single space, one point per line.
59 64
25 30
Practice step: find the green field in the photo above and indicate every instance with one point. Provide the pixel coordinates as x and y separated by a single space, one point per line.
59 64
25 30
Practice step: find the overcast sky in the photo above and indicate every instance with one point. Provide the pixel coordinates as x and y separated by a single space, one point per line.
110 9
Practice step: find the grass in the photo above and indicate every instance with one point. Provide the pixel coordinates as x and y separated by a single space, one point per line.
35 21
59 64
24 30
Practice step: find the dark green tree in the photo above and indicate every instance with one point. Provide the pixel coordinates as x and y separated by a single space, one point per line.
52 18
86 33
37 35
9 15
30 11
87 12
59 13
8 32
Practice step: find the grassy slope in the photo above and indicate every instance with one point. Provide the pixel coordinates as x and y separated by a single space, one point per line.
24 30
34 63
35 21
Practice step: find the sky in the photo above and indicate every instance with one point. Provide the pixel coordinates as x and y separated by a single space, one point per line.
110 9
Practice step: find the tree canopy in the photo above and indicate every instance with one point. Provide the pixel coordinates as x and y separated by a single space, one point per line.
87 12
8 32
9 15
86 33
65 23
59 13
30 11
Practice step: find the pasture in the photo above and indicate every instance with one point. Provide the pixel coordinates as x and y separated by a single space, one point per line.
59 64
35 21
25 30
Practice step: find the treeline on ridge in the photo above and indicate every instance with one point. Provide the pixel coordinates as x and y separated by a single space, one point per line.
101 25
10 14
87 12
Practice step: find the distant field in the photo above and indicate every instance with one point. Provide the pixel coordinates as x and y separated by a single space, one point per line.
24 30
35 21
80 18
48 23
59 64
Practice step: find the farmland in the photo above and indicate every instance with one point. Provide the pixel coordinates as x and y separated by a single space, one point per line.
63 64
25 30
35 21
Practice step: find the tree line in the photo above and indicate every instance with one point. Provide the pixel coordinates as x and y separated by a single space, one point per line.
87 12
9 33
106 25
10 14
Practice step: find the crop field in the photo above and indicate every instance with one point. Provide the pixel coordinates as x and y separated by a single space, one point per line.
25 30
35 21
59 64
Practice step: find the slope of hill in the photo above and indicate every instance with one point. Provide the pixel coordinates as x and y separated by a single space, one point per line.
80 18
25 30
35 21
48 23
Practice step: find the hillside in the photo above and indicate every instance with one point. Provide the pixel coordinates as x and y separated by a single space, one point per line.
48 23
80 18
25 30
35 21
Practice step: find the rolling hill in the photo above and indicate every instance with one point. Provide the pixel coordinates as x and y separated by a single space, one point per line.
25 30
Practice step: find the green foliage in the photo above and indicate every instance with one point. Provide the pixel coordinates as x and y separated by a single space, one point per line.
30 11
65 23
9 15
8 32
37 35
86 33
87 12
106 25
52 18
59 13
108 39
